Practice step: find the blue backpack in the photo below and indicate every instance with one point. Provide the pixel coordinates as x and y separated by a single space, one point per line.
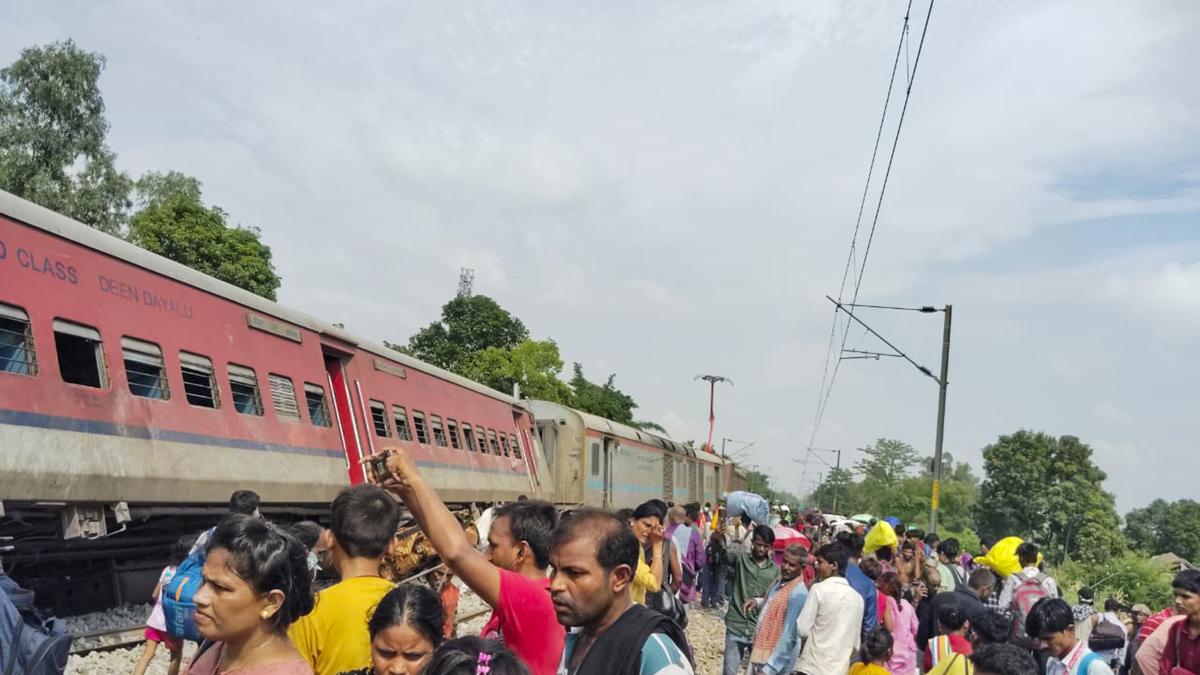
30 643
179 608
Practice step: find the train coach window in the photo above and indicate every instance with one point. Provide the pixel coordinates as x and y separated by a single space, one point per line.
468 437
318 409
80 354
380 420
595 459
439 434
243 384
504 445
482 441
144 368
400 417
452 430
512 442
492 442
199 380
283 397
419 426
16 342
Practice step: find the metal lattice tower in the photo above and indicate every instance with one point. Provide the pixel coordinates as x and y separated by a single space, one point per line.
466 277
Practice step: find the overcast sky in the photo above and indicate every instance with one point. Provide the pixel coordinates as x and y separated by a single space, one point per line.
670 188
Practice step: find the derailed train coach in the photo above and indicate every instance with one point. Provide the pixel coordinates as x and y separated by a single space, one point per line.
136 394
599 462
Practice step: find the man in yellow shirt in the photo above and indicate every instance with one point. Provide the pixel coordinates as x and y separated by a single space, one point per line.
333 637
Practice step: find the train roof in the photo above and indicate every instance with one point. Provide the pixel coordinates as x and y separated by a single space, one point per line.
59 225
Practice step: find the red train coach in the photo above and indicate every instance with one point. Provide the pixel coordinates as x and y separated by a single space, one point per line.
132 386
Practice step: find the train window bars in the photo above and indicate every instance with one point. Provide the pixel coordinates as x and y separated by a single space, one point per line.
243 384
199 380
144 369
492 442
283 397
400 417
380 420
504 444
17 355
483 448
468 436
80 354
419 425
512 441
439 434
318 409
452 430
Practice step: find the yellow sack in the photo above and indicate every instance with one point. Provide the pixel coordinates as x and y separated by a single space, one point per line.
1002 558
880 536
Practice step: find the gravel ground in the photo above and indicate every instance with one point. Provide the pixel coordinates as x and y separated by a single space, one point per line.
706 631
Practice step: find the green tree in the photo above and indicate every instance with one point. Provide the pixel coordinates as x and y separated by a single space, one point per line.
187 232
534 365
1048 489
603 400
469 324
1128 576
155 188
52 136
886 462
837 493
1166 527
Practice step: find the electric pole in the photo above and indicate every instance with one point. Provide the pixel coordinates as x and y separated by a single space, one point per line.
942 381
712 392
941 421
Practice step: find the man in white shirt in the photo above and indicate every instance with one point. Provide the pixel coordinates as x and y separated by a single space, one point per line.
1052 624
831 621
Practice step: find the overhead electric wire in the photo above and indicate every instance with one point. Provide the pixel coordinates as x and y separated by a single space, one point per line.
828 382
823 393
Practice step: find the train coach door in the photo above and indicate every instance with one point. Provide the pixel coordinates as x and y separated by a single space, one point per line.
610 451
344 413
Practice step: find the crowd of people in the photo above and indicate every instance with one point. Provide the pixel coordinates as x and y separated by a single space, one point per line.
590 591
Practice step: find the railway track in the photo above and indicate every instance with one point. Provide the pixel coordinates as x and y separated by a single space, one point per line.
107 640
132 636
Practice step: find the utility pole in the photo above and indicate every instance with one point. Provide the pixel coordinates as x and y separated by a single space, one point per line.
942 381
810 450
712 393
941 422
835 485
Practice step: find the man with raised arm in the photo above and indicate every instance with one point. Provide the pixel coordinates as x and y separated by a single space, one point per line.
510 578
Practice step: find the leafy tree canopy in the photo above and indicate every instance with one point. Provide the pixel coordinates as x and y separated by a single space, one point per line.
184 230
469 324
52 136
1127 576
1048 489
1166 527
885 463
155 188
534 365
603 400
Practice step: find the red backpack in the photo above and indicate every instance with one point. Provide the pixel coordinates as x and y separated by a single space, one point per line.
1025 596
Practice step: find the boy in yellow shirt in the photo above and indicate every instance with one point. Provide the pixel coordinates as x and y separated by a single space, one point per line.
333 637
